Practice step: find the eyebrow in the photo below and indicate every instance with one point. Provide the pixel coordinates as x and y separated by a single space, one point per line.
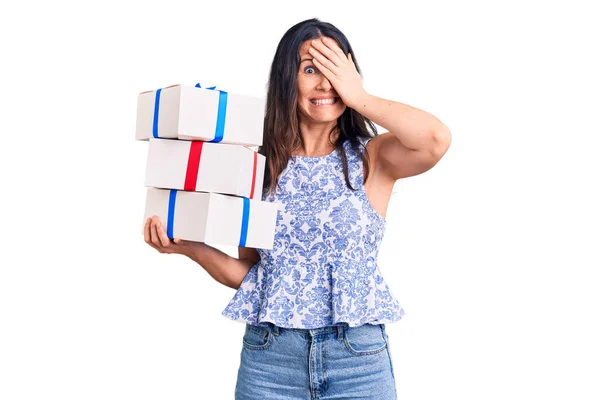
306 59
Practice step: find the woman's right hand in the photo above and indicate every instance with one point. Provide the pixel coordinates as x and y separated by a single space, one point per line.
156 236
223 268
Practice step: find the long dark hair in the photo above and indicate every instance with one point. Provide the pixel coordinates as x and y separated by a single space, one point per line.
281 133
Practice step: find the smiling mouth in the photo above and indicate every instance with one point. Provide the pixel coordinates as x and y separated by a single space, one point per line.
323 102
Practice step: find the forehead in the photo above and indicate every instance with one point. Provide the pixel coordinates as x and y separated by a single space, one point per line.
304 47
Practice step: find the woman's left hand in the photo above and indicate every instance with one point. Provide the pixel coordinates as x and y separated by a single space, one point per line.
340 70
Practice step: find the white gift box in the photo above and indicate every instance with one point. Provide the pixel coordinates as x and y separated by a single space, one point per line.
214 218
193 113
205 167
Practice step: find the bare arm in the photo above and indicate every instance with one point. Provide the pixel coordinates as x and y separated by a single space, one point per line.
417 140
227 270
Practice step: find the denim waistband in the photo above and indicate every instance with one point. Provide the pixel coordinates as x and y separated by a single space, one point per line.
340 329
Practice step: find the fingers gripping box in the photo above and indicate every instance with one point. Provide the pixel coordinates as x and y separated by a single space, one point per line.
192 113
214 218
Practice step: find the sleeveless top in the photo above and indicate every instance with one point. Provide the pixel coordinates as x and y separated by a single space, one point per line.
322 270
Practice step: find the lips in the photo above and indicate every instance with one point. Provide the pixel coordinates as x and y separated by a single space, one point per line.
324 101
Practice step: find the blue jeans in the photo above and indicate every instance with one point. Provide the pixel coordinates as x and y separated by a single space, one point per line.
334 362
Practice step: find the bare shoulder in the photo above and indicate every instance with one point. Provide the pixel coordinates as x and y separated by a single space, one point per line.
378 187
378 142
373 153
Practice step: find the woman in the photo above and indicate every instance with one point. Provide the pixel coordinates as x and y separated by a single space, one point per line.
315 306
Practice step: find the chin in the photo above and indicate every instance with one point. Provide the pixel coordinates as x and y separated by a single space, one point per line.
323 118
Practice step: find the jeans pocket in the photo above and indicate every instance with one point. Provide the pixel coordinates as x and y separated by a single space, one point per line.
257 338
364 340
387 340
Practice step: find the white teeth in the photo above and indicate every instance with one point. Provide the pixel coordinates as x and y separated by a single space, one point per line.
323 101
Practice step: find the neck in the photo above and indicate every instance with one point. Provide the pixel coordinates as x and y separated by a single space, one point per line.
316 139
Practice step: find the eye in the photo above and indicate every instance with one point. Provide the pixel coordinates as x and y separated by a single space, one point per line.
309 70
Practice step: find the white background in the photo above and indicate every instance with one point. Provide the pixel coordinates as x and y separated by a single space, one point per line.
493 253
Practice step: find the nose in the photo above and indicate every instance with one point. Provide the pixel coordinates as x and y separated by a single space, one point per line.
324 84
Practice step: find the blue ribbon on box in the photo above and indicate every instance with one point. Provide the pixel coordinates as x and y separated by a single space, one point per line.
171 214
222 111
245 217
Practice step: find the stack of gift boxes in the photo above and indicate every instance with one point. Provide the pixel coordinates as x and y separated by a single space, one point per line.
202 179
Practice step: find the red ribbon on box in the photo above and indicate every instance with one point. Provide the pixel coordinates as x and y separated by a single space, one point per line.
191 174
193 164
253 175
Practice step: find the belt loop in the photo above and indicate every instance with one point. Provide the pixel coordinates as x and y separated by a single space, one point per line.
275 330
340 332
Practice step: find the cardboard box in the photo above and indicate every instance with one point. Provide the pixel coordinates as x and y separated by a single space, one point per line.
213 218
192 113
205 167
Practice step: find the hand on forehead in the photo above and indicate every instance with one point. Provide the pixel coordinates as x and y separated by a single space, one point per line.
320 41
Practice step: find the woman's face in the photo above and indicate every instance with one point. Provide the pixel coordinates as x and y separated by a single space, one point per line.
317 99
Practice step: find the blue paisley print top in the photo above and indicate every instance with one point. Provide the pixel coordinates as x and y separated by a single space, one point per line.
322 270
